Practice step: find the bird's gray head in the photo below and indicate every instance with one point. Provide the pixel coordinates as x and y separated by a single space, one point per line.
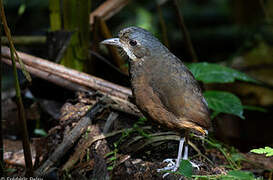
137 43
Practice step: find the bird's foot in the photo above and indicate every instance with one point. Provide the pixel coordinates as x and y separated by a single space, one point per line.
171 166
195 165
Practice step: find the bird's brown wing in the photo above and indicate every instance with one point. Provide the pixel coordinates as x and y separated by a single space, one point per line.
150 103
180 93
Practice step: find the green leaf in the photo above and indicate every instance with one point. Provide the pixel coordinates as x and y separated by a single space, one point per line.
40 132
214 73
185 168
268 151
10 170
110 153
21 9
237 157
144 19
113 158
241 175
224 102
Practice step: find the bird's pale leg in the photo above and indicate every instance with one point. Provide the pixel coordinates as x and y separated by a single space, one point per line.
180 148
173 164
185 156
186 152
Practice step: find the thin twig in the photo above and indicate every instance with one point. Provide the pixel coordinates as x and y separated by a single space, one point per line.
105 32
20 106
2 165
163 26
103 59
185 32
111 118
64 47
107 9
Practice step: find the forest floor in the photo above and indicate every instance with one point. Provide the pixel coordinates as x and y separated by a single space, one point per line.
87 139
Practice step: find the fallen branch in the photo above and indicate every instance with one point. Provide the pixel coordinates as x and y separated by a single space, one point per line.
71 75
50 77
69 140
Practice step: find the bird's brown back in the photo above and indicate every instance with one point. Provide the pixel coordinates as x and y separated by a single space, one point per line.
163 84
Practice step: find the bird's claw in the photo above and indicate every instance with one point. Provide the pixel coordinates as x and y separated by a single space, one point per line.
171 166
195 165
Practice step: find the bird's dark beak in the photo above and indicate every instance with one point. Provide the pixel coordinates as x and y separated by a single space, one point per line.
112 41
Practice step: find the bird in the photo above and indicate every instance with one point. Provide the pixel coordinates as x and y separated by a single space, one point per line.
163 88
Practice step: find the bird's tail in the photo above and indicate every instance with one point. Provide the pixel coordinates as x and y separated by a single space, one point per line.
192 126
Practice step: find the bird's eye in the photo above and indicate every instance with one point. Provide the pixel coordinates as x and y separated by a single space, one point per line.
132 42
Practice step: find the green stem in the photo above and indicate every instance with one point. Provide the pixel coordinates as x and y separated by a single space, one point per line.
22 119
219 147
2 166
20 106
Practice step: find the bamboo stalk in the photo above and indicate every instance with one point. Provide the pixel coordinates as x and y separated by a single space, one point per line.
55 15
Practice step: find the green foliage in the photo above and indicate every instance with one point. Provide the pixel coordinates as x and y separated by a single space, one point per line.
214 73
239 175
126 134
22 9
185 168
224 102
237 158
113 157
141 121
144 19
226 152
40 132
268 151
231 175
